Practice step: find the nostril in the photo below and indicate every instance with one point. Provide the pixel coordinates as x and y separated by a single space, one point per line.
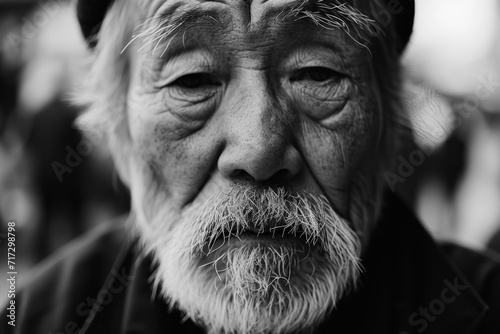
273 164
277 178
242 175
280 176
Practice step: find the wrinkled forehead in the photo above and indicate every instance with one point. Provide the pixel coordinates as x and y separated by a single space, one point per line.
265 25
258 10
263 15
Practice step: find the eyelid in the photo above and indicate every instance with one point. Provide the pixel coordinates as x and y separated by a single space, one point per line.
168 81
208 80
192 62
302 72
315 56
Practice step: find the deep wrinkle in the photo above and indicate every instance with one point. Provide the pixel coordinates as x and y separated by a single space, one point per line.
170 19
257 68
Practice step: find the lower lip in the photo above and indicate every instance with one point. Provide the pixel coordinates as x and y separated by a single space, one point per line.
252 239
264 238
222 245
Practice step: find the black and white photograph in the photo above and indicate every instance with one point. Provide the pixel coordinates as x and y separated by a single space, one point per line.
250 166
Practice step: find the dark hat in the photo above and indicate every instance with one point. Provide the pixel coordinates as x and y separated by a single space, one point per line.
91 14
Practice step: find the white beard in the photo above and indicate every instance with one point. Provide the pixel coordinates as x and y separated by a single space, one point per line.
285 283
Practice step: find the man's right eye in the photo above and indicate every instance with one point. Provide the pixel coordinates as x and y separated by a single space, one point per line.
196 81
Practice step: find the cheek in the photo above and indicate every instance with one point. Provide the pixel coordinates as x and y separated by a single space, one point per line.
336 152
173 163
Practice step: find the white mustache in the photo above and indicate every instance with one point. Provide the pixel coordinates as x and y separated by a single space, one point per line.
267 209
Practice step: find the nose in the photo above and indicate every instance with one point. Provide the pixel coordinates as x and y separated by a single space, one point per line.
259 145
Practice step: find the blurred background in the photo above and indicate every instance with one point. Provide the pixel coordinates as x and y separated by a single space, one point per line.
56 185
53 183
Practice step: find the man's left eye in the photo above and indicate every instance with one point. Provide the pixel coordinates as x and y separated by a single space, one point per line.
196 81
320 91
315 74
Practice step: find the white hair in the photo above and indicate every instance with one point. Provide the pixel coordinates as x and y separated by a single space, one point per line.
252 288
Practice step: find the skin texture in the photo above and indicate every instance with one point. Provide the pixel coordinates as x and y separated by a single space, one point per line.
242 95
252 139
244 119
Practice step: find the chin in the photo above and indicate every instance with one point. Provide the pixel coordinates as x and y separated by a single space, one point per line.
254 260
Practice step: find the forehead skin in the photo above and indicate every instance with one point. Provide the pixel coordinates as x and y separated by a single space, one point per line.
185 155
258 19
254 30
250 11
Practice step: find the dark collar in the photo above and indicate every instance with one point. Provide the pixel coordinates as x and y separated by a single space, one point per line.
408 286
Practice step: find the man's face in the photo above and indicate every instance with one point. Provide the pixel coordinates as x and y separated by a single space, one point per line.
237 109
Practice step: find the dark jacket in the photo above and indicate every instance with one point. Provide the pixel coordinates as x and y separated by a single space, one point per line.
99 284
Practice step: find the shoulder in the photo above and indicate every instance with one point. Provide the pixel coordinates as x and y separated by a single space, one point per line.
55 290
84 257
482 270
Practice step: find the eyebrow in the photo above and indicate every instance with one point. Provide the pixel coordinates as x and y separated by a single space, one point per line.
334 15
166 25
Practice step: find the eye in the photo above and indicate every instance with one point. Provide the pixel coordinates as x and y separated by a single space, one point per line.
196 81
319 91
315 74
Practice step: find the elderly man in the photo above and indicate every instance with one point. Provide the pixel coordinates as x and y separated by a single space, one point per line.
254 136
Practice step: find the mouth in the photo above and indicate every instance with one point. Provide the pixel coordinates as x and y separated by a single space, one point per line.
277 231
264 234
279 239
276 236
